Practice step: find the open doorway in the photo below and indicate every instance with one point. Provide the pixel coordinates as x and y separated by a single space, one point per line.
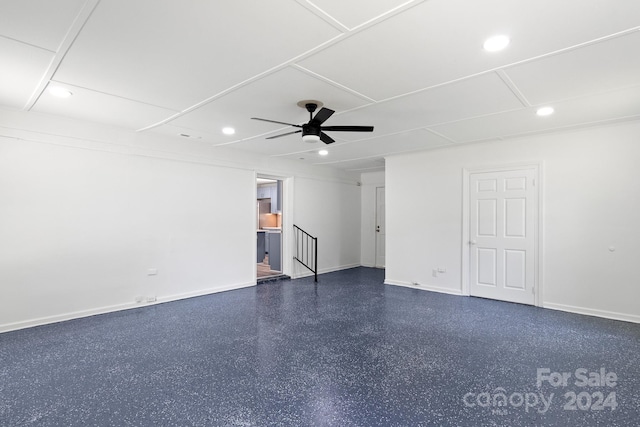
269 228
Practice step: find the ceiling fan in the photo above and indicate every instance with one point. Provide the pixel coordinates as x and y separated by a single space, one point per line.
313 131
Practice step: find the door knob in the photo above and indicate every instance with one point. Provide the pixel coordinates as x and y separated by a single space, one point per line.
378 229
472 242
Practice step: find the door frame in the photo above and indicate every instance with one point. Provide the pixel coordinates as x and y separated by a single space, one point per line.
538 168
375 232
287 221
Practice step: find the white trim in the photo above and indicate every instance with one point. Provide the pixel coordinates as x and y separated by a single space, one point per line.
177 297
466 174
593 312
538 168
287 220
254 244
540 249
63 48
423 287
375 223
7 327
307 273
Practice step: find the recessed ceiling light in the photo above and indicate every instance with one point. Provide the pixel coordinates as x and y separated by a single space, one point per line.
496 43
228 131
323 152
60 92
544 111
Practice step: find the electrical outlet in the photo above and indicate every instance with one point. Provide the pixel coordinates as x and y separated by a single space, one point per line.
139 299
442 269
151 299
152 272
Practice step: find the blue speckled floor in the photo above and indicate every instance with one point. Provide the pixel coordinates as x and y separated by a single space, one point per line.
348 351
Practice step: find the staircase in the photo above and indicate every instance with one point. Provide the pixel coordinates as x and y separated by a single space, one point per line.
306 252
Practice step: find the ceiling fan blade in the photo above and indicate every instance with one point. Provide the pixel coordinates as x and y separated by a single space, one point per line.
326 138
322 116
348 128
284 134
274 121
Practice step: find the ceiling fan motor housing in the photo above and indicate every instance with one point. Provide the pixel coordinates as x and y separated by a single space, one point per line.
310 129
310 133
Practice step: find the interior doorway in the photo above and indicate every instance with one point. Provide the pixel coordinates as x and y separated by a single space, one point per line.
380 227
503 216
269 220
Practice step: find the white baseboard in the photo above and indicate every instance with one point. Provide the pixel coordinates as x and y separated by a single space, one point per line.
7 327
307 273
593 312
561 307
424 287
203 292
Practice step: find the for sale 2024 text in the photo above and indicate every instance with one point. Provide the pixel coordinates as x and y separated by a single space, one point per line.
585 400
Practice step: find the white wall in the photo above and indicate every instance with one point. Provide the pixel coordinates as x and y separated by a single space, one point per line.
329 211
591 200
87 210
370 181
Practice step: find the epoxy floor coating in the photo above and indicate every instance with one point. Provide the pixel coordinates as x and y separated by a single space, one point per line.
348 351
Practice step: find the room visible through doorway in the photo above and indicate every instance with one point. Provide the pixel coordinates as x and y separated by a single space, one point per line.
269 228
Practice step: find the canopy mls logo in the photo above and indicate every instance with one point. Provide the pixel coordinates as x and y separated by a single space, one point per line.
499 402
592 393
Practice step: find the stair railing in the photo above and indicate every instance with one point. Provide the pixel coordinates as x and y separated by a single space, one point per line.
306 250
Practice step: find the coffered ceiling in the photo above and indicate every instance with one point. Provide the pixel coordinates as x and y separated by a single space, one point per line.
416 70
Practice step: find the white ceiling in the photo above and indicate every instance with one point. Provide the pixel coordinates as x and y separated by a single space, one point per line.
415 70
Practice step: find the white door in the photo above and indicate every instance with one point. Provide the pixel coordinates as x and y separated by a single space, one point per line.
380 228
502 235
